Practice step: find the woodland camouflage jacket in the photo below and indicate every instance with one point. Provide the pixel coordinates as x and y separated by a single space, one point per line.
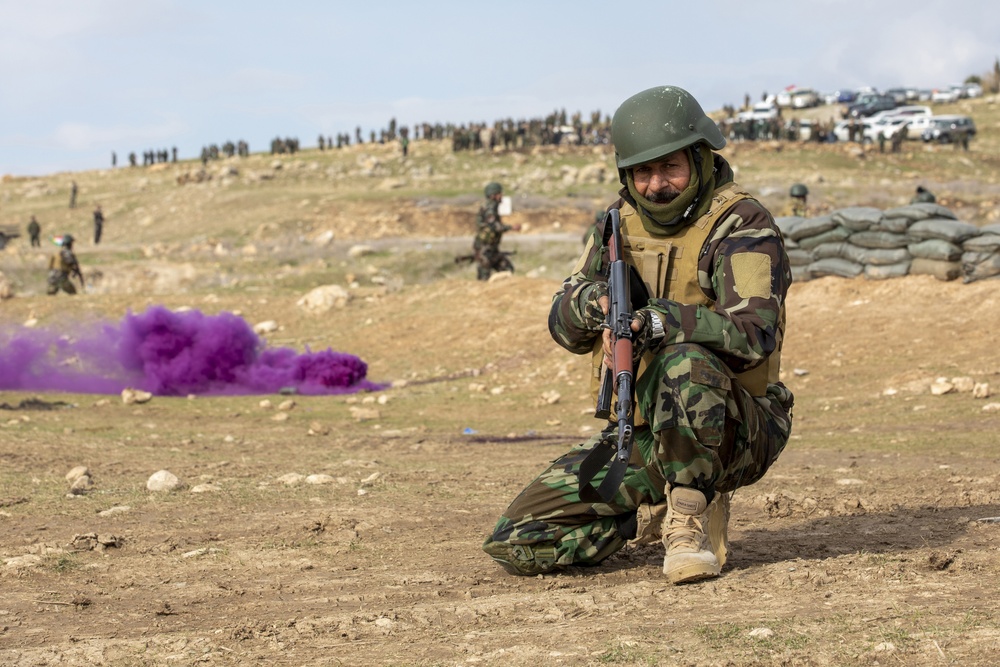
489 228
742 331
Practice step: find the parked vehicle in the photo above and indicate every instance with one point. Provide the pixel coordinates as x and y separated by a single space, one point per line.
869 105
846 96
949 129
916 125
945 95
898 94
804 98
759 111
911 111
973 90
887 126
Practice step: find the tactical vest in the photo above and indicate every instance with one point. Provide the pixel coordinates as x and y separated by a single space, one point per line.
668 266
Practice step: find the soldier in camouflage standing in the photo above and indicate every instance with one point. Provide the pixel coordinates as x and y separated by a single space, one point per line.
797 205
63 266
711 415
34 232
489 232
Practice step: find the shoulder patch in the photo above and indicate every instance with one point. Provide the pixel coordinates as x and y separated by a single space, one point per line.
752 274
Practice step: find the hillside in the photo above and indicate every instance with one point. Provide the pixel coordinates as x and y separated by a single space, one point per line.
872 541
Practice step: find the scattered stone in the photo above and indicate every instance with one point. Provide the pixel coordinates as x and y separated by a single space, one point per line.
496 391
319 479
371 479
761 633
848 482
26 561
942 387
265 404
81 485
287 405
131 396
163 480
963 385
323 299
364 414
799 372
991 407
382 399
265 327
981 390
205 488
92 541
885 647
101 403
204 551
291 479
551 397
316 428
360 251
76 473
280 417
324 238
117 509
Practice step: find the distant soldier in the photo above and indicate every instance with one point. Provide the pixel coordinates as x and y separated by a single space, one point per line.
923 196
322 142
98 224
489 232
797 205
63 266
72 195
35 231
881 141
898 137
114 159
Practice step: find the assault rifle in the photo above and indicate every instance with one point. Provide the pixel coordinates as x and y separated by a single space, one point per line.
618 381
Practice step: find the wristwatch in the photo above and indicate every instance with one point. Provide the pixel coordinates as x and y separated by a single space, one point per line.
656 327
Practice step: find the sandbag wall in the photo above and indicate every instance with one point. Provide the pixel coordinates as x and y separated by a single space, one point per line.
917 239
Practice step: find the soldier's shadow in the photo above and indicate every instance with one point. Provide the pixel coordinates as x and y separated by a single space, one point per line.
895 531
890 532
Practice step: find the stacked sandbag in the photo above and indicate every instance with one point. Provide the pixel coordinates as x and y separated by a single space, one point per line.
981 254
919 238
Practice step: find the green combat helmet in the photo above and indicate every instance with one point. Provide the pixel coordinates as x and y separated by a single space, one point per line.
67 240
493 188
798 190
657 122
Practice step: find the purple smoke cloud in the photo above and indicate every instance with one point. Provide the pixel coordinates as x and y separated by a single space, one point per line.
171 354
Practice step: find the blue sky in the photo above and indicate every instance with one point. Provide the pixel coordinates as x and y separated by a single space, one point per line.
81 79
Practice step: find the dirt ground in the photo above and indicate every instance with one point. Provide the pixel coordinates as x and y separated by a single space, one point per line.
864 545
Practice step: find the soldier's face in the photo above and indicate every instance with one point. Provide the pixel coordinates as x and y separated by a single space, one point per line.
662 180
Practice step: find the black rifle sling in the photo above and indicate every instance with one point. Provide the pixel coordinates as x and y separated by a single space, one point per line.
594 463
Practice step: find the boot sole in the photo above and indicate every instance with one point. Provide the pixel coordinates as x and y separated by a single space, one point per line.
691 573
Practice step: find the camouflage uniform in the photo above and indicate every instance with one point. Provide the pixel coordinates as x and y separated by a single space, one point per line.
796 207
486 245
706 418
61 266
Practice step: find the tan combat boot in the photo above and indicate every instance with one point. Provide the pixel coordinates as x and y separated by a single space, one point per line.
690 554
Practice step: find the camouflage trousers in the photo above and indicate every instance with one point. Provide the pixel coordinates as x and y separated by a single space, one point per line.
704 430
490 259
59 281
